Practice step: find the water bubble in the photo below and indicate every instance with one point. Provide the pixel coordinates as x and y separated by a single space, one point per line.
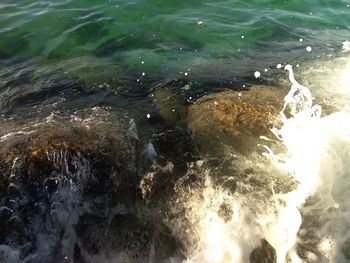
308 49
186 73
148 115
301 40
143 73
242 37
279 65
257 74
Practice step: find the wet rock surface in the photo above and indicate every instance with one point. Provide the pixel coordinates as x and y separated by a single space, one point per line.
265 253
82 186
69 191
235 119
168 105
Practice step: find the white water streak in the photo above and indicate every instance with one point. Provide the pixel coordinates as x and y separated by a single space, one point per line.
318 157
316 149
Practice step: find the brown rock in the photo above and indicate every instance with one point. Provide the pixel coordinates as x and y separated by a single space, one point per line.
235 118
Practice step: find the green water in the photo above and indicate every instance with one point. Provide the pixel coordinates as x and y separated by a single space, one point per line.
168 39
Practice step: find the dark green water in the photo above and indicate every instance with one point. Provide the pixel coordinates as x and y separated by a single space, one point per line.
125 39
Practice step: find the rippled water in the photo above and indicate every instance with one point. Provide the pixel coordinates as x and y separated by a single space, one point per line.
99 159
221 39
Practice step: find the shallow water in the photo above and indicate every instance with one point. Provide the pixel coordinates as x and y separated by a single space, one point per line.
168 40
98 158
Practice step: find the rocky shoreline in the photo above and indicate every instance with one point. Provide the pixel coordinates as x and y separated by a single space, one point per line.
94 185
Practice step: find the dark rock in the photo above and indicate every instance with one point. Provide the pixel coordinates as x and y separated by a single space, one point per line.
168 105
265 253
39 94
69 191
53 172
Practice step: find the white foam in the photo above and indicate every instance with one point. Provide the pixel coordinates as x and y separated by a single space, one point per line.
317 156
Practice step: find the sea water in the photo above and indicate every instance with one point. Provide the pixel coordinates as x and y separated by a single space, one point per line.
68 55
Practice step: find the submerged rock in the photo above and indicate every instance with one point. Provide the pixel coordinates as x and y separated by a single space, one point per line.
235 119
168 105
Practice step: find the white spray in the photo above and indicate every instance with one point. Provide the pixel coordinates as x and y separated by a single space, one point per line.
318 150
317 156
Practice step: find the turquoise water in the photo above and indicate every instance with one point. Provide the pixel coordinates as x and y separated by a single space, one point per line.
214 40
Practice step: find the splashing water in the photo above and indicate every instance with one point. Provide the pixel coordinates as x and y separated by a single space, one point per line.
317 157
309 223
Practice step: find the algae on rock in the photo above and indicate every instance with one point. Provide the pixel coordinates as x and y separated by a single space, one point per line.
235 119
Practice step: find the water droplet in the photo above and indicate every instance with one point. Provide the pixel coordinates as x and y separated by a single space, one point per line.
346 45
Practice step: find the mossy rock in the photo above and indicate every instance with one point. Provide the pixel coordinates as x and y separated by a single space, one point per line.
236 119
168 105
